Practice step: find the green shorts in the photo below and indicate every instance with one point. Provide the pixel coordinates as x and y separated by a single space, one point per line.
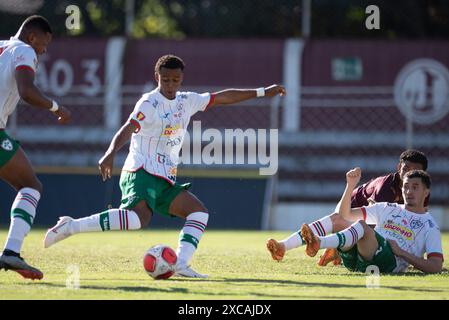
384 258
8 147
157 192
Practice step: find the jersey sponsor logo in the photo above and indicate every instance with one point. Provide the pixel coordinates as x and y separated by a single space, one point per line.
140 116
404 222
183 96
171 130
398 229
161 158
392 204
173 171
165 116
416 224
7 145
431 225
173 142
19 59
155 104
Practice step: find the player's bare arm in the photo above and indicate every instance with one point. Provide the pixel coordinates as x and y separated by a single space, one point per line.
121 138
429 265
33 96
231 96
344 206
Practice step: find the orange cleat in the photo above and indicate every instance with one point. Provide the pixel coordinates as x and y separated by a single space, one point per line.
276 249
330 255
312 241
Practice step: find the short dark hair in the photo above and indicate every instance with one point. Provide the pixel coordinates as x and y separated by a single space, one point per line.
169 61
415 156
36 23
424 176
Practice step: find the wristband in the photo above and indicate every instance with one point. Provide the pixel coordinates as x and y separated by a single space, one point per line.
260 92
54 106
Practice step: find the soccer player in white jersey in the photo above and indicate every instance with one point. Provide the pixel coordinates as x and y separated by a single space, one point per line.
156 128
403 232
18 63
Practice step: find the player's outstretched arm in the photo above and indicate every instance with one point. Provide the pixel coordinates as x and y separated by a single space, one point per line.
344 206
121 138
33 96
429 265
231 96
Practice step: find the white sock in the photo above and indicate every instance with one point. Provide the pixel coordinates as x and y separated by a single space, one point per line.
112 219
23 211
344 239
320 228
190 236
293 241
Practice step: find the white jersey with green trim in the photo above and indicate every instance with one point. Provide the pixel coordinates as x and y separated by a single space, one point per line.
161 126
415 233
14 55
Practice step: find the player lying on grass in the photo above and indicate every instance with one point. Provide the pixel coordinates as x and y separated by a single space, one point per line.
157 127
403 233
18 64
381 189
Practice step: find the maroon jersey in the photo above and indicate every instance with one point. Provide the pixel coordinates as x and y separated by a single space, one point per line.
381 189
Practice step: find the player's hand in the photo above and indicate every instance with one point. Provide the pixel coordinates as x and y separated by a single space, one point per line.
274 90
105 165
353 176
64 115
395 248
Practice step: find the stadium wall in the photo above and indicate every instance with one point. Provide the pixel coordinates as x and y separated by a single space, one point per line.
290 216
233 203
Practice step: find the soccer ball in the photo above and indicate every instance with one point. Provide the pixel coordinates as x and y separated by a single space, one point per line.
160 261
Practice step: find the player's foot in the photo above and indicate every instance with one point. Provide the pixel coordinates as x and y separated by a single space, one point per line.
59 232
277 249
188 272
330 255
312 241
10 260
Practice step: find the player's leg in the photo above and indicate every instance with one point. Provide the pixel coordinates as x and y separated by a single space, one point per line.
188 206
18 172
133 214
108 220
322 227
344 239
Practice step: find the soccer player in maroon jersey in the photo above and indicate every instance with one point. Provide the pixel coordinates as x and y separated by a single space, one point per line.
381 189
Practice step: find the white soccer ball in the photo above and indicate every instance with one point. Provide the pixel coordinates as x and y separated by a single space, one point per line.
160 262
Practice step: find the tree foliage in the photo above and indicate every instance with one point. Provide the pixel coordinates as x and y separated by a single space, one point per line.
244 18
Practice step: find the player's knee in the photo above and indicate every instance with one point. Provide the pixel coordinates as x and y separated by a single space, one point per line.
144 218
366 228
33 184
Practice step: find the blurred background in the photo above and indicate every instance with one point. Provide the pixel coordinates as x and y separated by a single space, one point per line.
355 97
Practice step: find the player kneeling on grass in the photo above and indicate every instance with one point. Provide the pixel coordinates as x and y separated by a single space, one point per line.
157 127
403 233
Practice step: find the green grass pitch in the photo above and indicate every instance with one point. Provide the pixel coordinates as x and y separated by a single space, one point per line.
110 267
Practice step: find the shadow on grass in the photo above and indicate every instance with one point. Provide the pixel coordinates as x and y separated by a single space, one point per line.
319 284
126 289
